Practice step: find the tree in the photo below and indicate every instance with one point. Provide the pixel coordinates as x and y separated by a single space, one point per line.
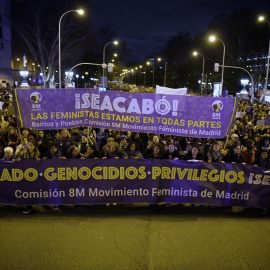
38 32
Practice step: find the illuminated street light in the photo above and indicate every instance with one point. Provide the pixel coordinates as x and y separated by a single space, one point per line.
195 53
77 76
159 59
212 39
79 11
261 19
149 63
104 64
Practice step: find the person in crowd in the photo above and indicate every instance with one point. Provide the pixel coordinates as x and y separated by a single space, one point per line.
90 134
54 152
158 152
74 153
117 136
65 142
172 152
106 148
135 137
91 152
101 138
13 138
83 144
123 142
263 160
23 146
12 122
9 154
214 154
257 138
235 139
153 140
249 152
235 155
42 141
114 151
75 135
263 144
57 136
3 123
194 154
30 135
132 151
30 152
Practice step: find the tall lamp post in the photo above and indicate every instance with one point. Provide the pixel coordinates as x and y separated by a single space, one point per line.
104 64
77 76
195 54
153 79
140 75
212 39
80 11
261 18
165 73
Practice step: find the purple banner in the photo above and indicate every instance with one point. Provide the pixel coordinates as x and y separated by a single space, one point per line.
75 181
191 116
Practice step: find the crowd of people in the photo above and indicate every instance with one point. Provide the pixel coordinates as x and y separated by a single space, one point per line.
248 142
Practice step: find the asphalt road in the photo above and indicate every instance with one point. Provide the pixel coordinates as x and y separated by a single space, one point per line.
117 237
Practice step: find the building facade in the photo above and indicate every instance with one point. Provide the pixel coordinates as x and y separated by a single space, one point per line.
5 45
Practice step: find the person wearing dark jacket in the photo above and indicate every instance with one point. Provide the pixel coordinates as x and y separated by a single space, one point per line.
263 160
193 154
172 153
235 155
54 152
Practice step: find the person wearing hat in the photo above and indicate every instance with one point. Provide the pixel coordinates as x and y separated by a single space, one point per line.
123 143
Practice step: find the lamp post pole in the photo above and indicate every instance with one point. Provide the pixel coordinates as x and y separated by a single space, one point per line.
261 18
153 83
195 54
104 64
145 77
159 59
59 42
165 76
213 38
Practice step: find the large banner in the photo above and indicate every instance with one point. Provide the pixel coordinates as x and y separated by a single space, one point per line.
204 117
75 181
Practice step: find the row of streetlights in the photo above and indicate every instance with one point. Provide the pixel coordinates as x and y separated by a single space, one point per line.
213 38
126 71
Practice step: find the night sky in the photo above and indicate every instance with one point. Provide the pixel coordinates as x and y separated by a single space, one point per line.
146 25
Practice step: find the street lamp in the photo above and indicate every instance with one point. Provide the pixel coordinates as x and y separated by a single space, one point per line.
77 76
79 11
140 75
212 39
261 18
82 81
149 63
159 59
195 53
104 64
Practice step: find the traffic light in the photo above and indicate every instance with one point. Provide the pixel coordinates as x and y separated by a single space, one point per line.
216 67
